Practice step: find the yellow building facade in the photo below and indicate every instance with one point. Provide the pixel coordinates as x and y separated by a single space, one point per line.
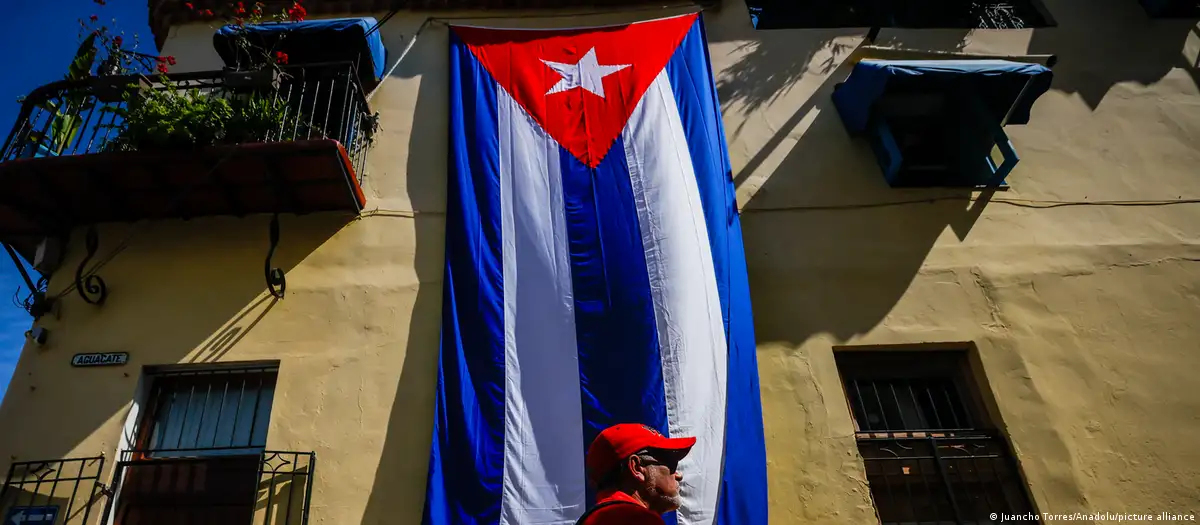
1072 295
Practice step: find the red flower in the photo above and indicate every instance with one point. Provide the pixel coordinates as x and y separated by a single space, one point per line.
281 57
189 6
93 18
117 40
208 12
171 60
240 9
162 68
297 12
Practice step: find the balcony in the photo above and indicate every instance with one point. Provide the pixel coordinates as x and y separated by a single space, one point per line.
263 488
271 488
293 140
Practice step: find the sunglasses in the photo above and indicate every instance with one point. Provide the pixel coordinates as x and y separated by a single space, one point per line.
672 464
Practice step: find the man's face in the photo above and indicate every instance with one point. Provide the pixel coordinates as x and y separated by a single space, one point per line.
660 485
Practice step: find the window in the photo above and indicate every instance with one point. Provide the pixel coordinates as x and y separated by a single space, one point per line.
199 448
208 412
931 454
966 14
940 123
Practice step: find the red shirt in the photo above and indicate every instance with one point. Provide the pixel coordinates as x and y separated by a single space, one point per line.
629 512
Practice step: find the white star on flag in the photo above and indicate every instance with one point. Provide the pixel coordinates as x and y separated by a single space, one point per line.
587 74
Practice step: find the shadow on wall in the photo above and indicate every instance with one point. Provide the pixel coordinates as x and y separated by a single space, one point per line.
179 292
773 61
821 216
398 491
1102 43
825 251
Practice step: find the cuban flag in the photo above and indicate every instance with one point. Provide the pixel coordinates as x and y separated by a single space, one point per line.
594 275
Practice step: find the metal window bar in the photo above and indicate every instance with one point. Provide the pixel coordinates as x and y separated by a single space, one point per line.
189 412
270 488
960 479
906 404
70 486
323 100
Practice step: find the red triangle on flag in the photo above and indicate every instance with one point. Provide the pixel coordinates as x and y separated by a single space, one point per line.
580 85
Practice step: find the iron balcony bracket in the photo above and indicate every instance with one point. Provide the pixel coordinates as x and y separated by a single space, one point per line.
276 281
92 288
36 302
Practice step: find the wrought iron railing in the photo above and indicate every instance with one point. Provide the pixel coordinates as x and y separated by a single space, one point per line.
271 488
319 101
942 477
56 491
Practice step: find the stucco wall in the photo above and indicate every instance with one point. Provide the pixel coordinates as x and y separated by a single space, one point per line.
1086 315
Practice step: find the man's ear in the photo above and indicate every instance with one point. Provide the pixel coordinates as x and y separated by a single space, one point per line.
634 467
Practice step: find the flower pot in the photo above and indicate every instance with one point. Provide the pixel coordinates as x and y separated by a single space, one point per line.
252 80
111 90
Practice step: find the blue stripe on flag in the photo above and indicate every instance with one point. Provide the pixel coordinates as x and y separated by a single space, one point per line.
743 498
620 371
466 467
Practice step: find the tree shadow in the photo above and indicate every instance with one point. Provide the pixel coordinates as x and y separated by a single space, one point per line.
398 491
774 61
829 245
1108 42
773 64
213 266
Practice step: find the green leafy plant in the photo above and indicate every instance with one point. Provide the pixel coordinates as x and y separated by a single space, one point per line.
171 118
168 119
67 110
157 114
100 54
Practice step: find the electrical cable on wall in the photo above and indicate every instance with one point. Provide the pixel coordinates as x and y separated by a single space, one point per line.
1020 203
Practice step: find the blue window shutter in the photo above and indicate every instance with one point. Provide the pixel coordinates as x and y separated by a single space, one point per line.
887 152
999 173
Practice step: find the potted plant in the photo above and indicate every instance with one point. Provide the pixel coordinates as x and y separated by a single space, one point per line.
168 117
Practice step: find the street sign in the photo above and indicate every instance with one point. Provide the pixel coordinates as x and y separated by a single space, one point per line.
108 359
31 515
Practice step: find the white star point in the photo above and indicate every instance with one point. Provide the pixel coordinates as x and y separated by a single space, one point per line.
588 74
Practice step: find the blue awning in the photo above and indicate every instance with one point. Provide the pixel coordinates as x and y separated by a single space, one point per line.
333 40
1001 85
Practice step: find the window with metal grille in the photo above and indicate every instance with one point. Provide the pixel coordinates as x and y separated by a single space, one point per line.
931 453
199 454
965 14
207 412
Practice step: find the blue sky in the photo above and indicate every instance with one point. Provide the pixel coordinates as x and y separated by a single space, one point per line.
40 39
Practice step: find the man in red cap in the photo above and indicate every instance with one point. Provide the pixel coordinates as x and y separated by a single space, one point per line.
636 472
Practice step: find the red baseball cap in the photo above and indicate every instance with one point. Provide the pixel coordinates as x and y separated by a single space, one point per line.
618 442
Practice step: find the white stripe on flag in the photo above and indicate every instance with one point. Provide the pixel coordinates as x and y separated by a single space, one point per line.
691 332
544 478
